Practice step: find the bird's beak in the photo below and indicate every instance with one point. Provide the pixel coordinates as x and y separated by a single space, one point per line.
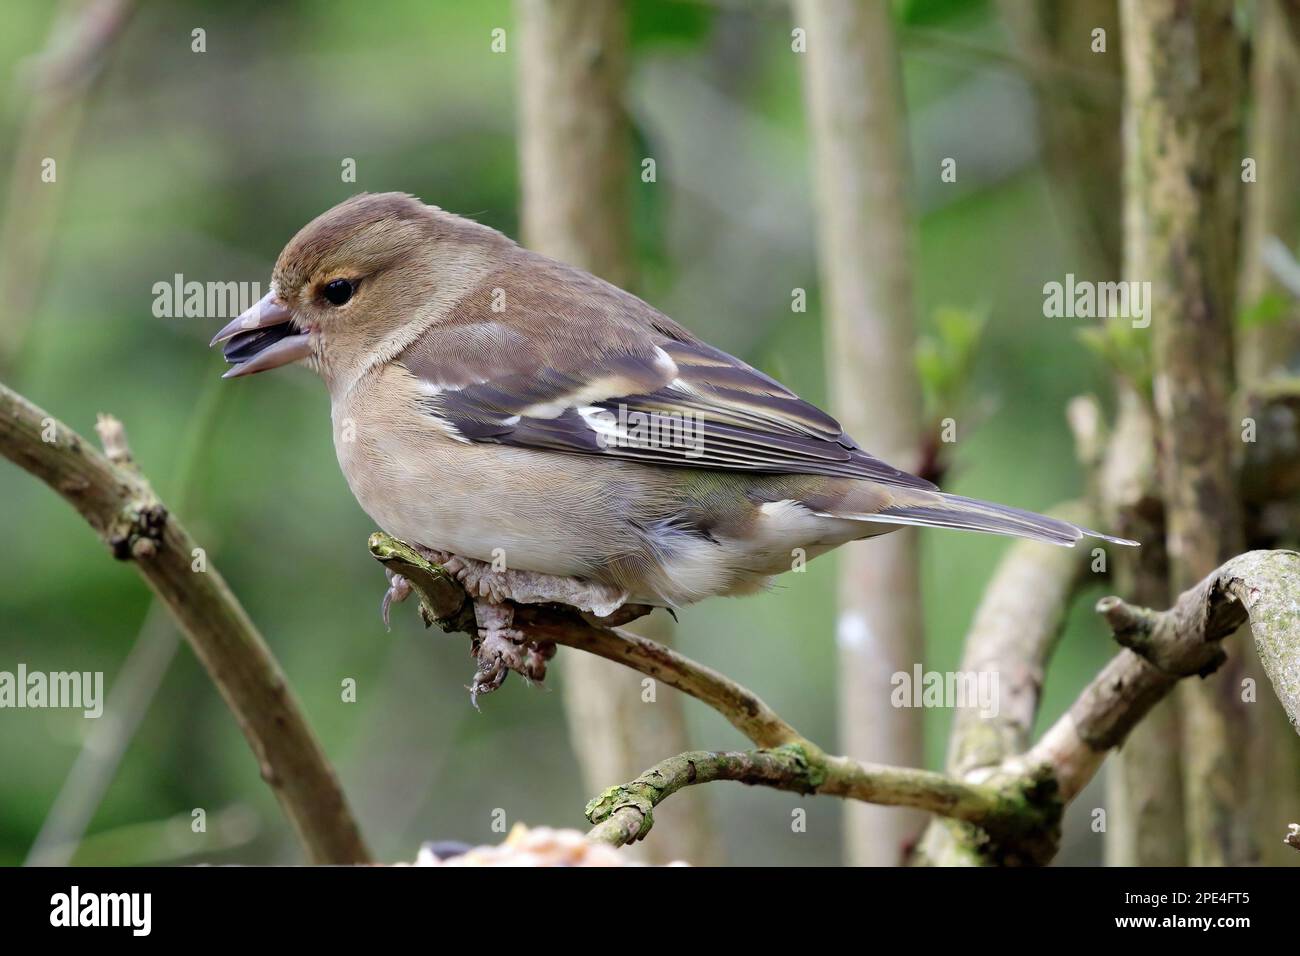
262 338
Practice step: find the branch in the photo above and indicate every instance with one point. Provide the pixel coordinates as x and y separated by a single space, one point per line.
1013 634
1015 817
443 602
1261 587
120 505
1018 815
1017 804
1144 780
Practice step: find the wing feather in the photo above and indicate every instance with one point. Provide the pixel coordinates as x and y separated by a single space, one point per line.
614 377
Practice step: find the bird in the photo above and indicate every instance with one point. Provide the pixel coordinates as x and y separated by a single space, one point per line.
548 436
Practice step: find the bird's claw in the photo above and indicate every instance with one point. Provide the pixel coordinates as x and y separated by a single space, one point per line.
399 589
500 648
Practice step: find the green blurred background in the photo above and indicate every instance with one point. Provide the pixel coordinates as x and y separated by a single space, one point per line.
205 164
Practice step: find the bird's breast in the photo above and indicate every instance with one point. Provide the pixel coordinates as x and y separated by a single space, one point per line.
419 482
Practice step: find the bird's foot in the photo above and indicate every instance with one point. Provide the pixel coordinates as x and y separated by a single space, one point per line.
482 580
500 648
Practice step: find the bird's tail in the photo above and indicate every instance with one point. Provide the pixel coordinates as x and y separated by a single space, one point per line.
939 510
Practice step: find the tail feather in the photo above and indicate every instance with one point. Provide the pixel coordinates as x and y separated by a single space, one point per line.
970 514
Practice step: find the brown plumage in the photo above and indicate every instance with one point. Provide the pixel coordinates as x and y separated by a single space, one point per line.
490 402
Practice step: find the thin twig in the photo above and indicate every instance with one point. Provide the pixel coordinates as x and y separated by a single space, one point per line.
137 683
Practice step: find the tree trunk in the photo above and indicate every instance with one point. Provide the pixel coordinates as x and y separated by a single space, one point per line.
854 96
1078 93
1182 84
576 171
1266 350
1271 200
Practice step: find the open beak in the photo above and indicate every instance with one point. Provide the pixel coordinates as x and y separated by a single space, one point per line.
262 338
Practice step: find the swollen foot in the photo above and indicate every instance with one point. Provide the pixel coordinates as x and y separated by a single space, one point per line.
500 648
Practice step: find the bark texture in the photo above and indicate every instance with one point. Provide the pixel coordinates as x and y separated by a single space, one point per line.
1079 92
1162 647
1182 79
1268 346
1012 635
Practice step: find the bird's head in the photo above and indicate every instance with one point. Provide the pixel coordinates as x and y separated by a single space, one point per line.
356 285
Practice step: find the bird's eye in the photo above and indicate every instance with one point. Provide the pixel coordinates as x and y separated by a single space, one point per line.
338 291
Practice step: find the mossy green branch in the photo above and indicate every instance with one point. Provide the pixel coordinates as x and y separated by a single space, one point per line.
624 814
1006 814
442 600
1017 820
785 760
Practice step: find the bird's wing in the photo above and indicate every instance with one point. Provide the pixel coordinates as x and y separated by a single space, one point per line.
593 370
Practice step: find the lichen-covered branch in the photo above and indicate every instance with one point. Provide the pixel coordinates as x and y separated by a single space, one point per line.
1008 809
120 505
1012 635
624 814
1259 587
1018 816
1023 824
